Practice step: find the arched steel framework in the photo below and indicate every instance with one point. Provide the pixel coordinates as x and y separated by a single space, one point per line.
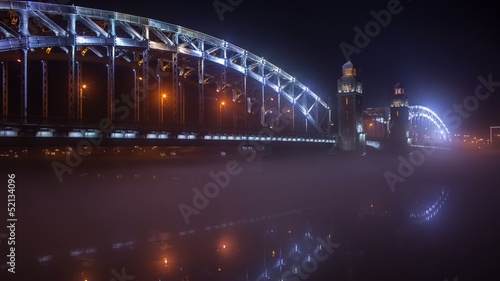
417 111
27 27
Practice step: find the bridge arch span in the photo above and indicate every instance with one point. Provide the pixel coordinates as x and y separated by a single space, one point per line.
418 111
123 38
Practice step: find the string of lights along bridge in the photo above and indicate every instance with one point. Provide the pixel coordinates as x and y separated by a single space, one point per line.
78 72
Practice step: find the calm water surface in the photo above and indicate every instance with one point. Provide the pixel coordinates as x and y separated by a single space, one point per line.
290 217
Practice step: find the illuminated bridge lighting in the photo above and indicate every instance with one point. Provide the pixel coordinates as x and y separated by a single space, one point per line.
422 111
126 34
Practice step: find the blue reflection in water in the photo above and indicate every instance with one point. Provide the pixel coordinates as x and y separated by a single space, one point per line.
431 211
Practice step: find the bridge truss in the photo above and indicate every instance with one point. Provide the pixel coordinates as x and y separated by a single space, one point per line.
425 125
159 61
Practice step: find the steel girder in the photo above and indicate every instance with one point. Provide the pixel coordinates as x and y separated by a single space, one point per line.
149 35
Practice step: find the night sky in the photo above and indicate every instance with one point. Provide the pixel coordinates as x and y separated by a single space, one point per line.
437 50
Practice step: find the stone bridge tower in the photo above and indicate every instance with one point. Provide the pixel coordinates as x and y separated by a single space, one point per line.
350 110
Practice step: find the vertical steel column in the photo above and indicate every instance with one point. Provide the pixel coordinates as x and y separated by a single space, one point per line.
79 86
245 112
175 88
201 89
160 96
23 27
145 85
224 81
201 83
24 87
5 90
160 100
145 77
71 84
23 22
182 100
292 92
71 68
224 73
278 94
111 82
137 110
263 108
45 92
111 71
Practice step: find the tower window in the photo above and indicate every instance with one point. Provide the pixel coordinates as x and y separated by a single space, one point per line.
350 72
346 101
346 88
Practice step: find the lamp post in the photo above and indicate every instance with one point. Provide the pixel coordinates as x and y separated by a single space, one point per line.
163 97
222 103
80 103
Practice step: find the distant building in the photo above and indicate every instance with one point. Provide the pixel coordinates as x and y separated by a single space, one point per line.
350 110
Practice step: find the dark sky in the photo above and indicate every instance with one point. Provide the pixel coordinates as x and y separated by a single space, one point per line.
437 50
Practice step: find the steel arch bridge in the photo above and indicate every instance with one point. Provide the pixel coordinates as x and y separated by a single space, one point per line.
423 125
418 117
164 61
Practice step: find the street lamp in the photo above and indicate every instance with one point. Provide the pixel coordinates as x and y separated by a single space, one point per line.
163 97
84 86
222 103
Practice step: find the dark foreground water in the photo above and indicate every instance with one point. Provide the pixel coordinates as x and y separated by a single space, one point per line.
278 217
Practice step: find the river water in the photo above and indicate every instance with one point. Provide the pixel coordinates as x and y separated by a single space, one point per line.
274 217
